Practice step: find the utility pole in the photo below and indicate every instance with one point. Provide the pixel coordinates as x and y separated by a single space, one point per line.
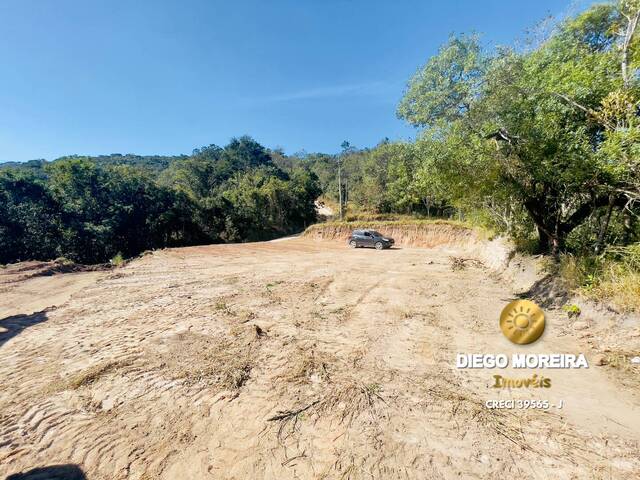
345 147
340 184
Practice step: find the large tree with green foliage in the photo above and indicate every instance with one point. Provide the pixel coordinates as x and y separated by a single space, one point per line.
534 122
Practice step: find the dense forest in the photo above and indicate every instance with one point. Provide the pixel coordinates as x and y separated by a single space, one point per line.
540 142
93 209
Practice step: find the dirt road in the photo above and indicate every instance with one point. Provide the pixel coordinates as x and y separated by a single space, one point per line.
293 360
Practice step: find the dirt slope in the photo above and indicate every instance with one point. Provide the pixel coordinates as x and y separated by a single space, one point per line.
294 360
33 286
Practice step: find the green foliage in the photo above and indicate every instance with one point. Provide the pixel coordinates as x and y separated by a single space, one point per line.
91 211
390 178
572 310
544 138
151 163
613 276
541 144
266 206
118 260
445 87
29 221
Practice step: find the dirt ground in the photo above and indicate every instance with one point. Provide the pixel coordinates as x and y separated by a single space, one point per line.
296 359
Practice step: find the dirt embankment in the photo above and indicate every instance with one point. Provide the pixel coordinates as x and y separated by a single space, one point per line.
495 253
33 286
10 274
426 234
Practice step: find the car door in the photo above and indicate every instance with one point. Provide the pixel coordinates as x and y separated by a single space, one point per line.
367 240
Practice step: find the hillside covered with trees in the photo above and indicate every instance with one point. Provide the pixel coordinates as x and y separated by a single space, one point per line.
92 209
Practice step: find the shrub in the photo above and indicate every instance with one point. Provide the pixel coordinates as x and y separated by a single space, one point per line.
613 276
118 260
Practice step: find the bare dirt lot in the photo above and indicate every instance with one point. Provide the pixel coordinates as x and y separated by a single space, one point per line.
296 359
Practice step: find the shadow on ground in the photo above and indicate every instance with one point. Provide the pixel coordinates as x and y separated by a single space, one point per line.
548 292
52 472
14 325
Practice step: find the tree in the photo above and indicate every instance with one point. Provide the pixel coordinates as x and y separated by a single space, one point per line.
29 227
447 85
90 209
531 120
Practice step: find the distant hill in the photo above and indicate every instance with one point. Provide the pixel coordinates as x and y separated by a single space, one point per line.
154 163
27 164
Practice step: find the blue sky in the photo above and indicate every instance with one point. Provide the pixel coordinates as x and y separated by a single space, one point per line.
163 77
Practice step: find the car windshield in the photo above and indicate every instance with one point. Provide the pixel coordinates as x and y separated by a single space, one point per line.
375 234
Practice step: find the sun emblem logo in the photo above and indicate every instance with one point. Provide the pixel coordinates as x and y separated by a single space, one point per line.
522 322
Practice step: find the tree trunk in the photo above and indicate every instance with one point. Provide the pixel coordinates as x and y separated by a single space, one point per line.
632 22
604 227
548 242
543 241
628 225
346 191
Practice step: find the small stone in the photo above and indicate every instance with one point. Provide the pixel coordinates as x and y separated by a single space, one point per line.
259 332
635 360
580 325
600 360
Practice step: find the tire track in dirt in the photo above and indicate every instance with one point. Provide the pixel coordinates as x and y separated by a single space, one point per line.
143 375
85 349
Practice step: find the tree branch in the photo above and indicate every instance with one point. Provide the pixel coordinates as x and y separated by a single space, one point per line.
586 208
632 20
590 112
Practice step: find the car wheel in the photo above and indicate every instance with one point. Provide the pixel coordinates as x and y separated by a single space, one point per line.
379 246
353 244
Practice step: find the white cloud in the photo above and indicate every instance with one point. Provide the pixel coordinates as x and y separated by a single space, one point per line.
377 88
370 88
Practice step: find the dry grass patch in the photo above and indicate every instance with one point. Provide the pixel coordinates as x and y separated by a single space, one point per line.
306 366
345 400
222 362
619 363
221 306
460 263
341 396
465 407
613 277
91 375
561 442
88 376
620 288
